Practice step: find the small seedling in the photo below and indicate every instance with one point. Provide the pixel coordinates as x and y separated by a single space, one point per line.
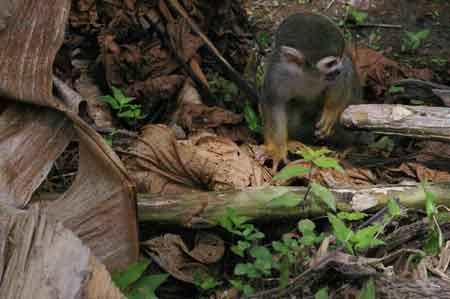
356 16
368 290
205 282
322 294
396 89
134 284
222 88
413 40
264 39
251 118
127 111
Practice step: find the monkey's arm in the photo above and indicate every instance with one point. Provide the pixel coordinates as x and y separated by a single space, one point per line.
346 90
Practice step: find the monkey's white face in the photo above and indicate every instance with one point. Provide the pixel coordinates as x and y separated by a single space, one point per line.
303 78
326 69
330 68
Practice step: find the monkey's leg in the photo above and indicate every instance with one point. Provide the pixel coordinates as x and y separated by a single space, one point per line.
275 131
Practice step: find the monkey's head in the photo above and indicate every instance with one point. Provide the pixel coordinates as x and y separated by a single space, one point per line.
325 70
312 43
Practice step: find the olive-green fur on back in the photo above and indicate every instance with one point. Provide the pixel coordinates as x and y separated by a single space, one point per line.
296 32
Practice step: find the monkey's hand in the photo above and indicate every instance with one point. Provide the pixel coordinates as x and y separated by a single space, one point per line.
325 125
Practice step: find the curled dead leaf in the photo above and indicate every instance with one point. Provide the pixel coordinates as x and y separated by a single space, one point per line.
202 162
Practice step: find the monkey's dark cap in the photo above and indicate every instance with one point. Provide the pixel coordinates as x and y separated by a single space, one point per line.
315 35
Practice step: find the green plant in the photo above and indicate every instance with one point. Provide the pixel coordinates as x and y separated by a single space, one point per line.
322 294
222 88
259 261
315 158
134 284
434 241
110 136
368 290
384 143
126 111
396 89
252 118
413 40
356 16
205 282
264 39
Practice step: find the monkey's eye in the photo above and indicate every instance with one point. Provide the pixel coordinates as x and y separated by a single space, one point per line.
330 64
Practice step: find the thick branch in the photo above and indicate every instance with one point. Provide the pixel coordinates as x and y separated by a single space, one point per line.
414 121
203 209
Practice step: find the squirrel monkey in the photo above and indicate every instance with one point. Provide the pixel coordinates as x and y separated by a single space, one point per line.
309 81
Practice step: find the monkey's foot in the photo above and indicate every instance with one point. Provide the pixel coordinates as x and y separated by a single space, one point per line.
277 155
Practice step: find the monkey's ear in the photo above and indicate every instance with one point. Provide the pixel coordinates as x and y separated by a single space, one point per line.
291 55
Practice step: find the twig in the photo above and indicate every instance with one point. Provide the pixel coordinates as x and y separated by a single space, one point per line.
330 4
229 70
389 26
421 82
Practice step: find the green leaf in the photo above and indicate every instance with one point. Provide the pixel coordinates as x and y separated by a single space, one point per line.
306 226
340 230
206 282
247 289
290 172
240 248
133 114
365 238
280 247
324 195
251 118
394 208
385 143
257 235
396 89
284 271
432 245
328 162
309 154
430 199
235 218
368 291
126 100
145 288
422 34
261 253
117 93
123 279
353 216
111 101
248 270
322 294
288 200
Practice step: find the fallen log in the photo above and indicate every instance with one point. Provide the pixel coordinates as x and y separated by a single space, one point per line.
404 120
202 209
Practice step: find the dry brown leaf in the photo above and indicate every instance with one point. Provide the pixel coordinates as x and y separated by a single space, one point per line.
97 110
420 172
167 251
99 206
183 42
202 162
208 248
45 260
198 116
375 69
